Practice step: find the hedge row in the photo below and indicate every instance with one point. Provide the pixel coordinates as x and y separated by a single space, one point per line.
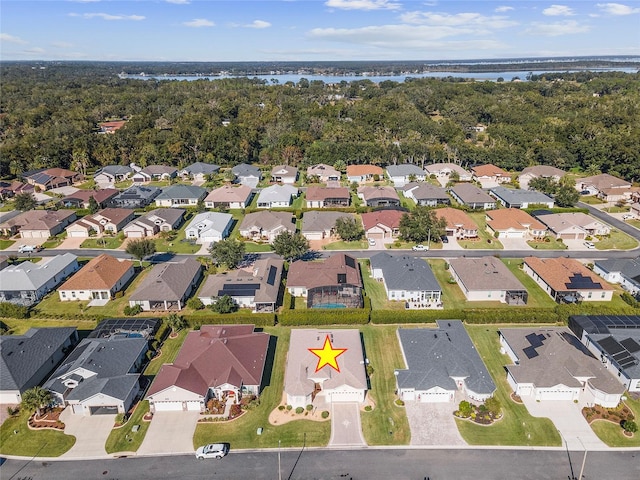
319 316
558 209
409 316
258 319
11 310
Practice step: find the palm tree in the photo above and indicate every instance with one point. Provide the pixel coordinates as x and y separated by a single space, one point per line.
36 398
176 322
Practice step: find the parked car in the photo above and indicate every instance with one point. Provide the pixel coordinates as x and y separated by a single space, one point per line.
29 248
589 245
444 239
372 242
585 192
419 248
213 450
627 216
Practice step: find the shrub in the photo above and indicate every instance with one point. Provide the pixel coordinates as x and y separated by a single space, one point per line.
367 408
309 407
195 303
299 410
289 407
130 311
325 414
399 402
281 407
630 426
10 310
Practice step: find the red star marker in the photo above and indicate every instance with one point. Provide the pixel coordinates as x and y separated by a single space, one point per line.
327 355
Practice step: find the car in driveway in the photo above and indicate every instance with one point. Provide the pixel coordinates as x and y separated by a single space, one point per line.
372 242
212 450
627 216
419 248
444 239
589 245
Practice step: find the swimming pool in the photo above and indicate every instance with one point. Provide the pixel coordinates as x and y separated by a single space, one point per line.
330 305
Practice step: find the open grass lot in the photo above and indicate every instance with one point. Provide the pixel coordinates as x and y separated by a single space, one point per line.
616 241
516 427
591 200
553 244
123 439
6 243
383 351
537 296
241 432
634 223
178 244
376 292
27 442
341 245
486 240
104 242
18 327
611 433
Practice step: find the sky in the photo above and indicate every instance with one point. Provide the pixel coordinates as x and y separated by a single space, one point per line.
314 30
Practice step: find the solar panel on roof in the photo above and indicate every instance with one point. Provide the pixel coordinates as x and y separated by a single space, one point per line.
242 290
611 346
580 282
349 261
619 356
530 352
271 278
628 362
630 344
535 340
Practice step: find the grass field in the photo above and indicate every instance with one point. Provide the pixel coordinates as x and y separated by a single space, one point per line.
104 242
611 433
124 439
16 438
486 240
376 292
6 244
553 244
616 241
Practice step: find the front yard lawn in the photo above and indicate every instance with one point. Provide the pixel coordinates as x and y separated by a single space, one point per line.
591 200
124 439
16 438
342 245
616 241
611 433
6 244
54 242
177 245
552 244
104 242
485 240
517 427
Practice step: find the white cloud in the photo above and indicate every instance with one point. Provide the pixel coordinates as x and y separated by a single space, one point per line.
363 4
569 27
108 16
618 9
5 37
34 51
503 9
199 22
258 24
459 19
179 2
558 11
61 44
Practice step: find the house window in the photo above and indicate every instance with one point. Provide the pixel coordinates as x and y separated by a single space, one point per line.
73 294
63 294
602 295
589 295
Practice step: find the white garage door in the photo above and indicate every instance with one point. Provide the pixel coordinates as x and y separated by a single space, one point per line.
168 406
346 396
34 234
76 234
434 397
134 234
513 234
408 395
193 406
552 394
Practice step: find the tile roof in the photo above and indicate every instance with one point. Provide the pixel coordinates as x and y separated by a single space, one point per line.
100 273
514 218
229 193
558 273
489 170
456 218
362 170
323 193
388 218
485 273
167 281
405 272
324 273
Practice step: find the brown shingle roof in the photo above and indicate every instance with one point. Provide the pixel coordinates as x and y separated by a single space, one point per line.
358 170
322 193
372 193
485 273
388 218
557 272
456 218
515 218
324 273
39 219
489 170
229 193
102 272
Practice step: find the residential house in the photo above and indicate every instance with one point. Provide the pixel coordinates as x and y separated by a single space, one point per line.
615 341
256 288
335 282
247 174
209 227
318 225
136 196
514 223
378 196
113 174
444 170
6 216
625 272
567 281
98 281
322 197
119 327
405 173
426 194
382 224
539 171
40 224
158 220
364 173
154 173
517 198
111 220
229 196
277 196
4 262
306 384
180 196
167 286
284 174
635 210
49 178
111 127
573 226
599 183
324 173
489 175
615 195
407 279
441 362
458 223
81 198
265 226
27 360
198 171
487 279
27 283
551 364
216 361
10 190
101 376
471 196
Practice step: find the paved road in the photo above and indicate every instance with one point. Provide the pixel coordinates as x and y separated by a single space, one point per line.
611 220
353 464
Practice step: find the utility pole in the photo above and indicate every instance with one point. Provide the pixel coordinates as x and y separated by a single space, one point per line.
279 469
584 460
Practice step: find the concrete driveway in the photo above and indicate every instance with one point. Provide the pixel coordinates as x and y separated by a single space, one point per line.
567 418
91 433
170 433
346 429
433 424
515 243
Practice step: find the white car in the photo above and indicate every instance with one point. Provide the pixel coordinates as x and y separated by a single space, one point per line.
589 245
419 248
372 242
627 216
213 450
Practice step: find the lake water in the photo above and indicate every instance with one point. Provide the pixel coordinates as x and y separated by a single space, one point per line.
295 77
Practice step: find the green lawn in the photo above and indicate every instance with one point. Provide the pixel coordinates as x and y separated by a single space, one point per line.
616 241
241 432
169 350
485 241
19 327
387 423
341 245
538 298
376 292
124 439
611 433
29 443
178 244
6 244
591 200
615 209
104 242
552 244
516 427
634 223
54 242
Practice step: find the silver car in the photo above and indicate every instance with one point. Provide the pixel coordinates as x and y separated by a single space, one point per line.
213 450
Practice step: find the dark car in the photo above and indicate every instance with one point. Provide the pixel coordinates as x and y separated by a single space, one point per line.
444 239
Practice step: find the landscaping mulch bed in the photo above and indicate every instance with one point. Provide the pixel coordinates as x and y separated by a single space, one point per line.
613 415
50 418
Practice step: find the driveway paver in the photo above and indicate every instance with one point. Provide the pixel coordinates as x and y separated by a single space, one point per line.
91 433
433 424
170 433
346 429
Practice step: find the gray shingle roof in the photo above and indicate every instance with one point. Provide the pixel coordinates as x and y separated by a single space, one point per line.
181 191
168 281
244 170
23 355
628 268
200 167
30 276
518 196
470 194
433 356
277 193
115 170
404 170
318 221
404 272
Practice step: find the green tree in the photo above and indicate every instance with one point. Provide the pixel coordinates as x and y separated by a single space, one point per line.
24 202
141 248
349 229
175 322
630 426
421 224
290 246
340 166
228 251
566 196
93 205
543 184
35 399
224 304
493 405
200 206
195 303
